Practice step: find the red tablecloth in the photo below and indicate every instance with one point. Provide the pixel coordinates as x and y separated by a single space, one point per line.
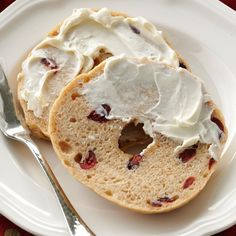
7 228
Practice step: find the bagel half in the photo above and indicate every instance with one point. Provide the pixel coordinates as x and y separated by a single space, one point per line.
89 148
38 123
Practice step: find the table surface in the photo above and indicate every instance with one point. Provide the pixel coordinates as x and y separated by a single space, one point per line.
7 228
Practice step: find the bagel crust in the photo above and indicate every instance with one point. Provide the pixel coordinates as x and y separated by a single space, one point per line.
161 183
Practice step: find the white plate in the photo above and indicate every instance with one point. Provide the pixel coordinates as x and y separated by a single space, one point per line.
204 32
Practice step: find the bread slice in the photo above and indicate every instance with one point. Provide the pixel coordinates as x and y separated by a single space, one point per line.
39 124
162 182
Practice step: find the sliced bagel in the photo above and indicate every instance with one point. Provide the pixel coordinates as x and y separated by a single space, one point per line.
87 140
67 51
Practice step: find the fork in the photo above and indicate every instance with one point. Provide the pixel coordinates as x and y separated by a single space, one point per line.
14 128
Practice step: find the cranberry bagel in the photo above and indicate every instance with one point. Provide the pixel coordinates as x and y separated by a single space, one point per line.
183 130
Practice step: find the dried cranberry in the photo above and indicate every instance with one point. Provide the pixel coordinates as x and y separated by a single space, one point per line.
188 153
89 162
134 162
218 123
181 64
166 199
49 63
211 162
107 108
135 30
100 114
189 181
158 202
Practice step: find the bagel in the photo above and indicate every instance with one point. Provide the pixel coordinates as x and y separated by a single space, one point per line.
81 42
103 116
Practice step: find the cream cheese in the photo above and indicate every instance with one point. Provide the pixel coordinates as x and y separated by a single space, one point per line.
42 83
167 100
81 37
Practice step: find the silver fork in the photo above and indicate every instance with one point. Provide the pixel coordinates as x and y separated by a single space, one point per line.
13 128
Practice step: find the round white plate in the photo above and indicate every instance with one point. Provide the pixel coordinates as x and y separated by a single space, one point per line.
204 33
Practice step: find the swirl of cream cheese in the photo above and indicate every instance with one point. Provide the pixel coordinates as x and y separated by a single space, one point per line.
80 40
167 100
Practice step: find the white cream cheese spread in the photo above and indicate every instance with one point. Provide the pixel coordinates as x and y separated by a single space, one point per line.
167 100
58 59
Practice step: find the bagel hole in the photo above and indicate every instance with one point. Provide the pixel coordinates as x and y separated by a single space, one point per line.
133 139
65 147
72 120
148 201
67 163
176 197
205 175
109 193
78 157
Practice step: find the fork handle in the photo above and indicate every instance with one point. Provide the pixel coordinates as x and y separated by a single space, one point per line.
76 225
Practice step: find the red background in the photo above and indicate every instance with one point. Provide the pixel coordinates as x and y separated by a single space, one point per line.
10 229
